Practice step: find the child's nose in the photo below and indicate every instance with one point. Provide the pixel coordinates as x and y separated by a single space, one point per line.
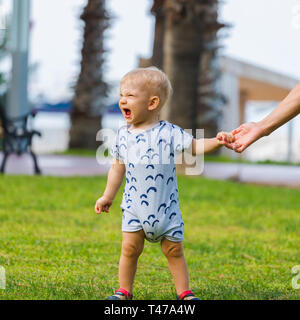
122 100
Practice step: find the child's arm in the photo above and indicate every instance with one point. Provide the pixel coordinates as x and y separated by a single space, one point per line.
114 180
204 146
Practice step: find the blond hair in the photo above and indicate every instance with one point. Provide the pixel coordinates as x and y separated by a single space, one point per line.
155 79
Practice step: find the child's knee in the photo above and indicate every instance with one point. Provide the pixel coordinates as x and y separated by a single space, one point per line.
173 250
131 249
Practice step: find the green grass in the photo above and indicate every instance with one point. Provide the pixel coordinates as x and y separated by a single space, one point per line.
241 241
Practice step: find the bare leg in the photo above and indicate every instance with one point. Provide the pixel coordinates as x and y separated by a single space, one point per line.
177 264
132 247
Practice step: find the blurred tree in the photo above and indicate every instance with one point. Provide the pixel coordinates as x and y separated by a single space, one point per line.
90 90
158 10
187 54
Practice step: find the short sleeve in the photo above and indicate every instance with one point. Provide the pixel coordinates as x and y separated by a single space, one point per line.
181 139
114 149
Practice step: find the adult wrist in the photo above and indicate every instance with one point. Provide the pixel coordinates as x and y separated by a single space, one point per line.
265 128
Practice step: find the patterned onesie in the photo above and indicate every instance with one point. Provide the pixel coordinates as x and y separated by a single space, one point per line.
150 196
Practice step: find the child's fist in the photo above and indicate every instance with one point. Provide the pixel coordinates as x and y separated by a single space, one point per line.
225 137
102 205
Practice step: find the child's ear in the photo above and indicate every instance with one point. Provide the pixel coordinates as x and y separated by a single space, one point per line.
153 103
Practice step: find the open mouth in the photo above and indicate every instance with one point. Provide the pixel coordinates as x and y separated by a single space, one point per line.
127 112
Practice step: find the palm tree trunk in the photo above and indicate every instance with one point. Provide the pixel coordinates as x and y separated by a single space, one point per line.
90 89
182 52
189 60
211 100
159 33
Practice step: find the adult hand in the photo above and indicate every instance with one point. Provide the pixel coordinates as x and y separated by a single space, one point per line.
244 136
248 133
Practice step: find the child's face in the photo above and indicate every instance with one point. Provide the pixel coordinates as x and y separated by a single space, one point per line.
135 100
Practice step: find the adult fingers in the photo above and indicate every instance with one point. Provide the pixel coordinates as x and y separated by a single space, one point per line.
237 130
235 147
231 138
243 147
240 148
228 145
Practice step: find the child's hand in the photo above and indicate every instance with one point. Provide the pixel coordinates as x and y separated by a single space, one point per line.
225 137
102 205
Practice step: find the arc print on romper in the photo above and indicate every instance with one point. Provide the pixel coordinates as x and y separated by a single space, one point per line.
150 196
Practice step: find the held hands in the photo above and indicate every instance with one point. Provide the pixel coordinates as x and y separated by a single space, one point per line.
225 138
243 136
102 205
228 140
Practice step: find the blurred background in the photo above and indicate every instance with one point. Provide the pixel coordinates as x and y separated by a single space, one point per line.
229 62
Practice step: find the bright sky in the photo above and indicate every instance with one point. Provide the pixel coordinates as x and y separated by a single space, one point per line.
56 41
264 33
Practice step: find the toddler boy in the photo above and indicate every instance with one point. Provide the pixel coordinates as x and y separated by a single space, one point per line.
145 150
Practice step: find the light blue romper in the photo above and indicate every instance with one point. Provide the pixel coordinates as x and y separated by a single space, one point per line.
150 196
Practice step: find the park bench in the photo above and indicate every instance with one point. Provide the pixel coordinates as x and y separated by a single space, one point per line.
17 137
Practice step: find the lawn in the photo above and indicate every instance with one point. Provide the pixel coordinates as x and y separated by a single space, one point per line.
241 241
